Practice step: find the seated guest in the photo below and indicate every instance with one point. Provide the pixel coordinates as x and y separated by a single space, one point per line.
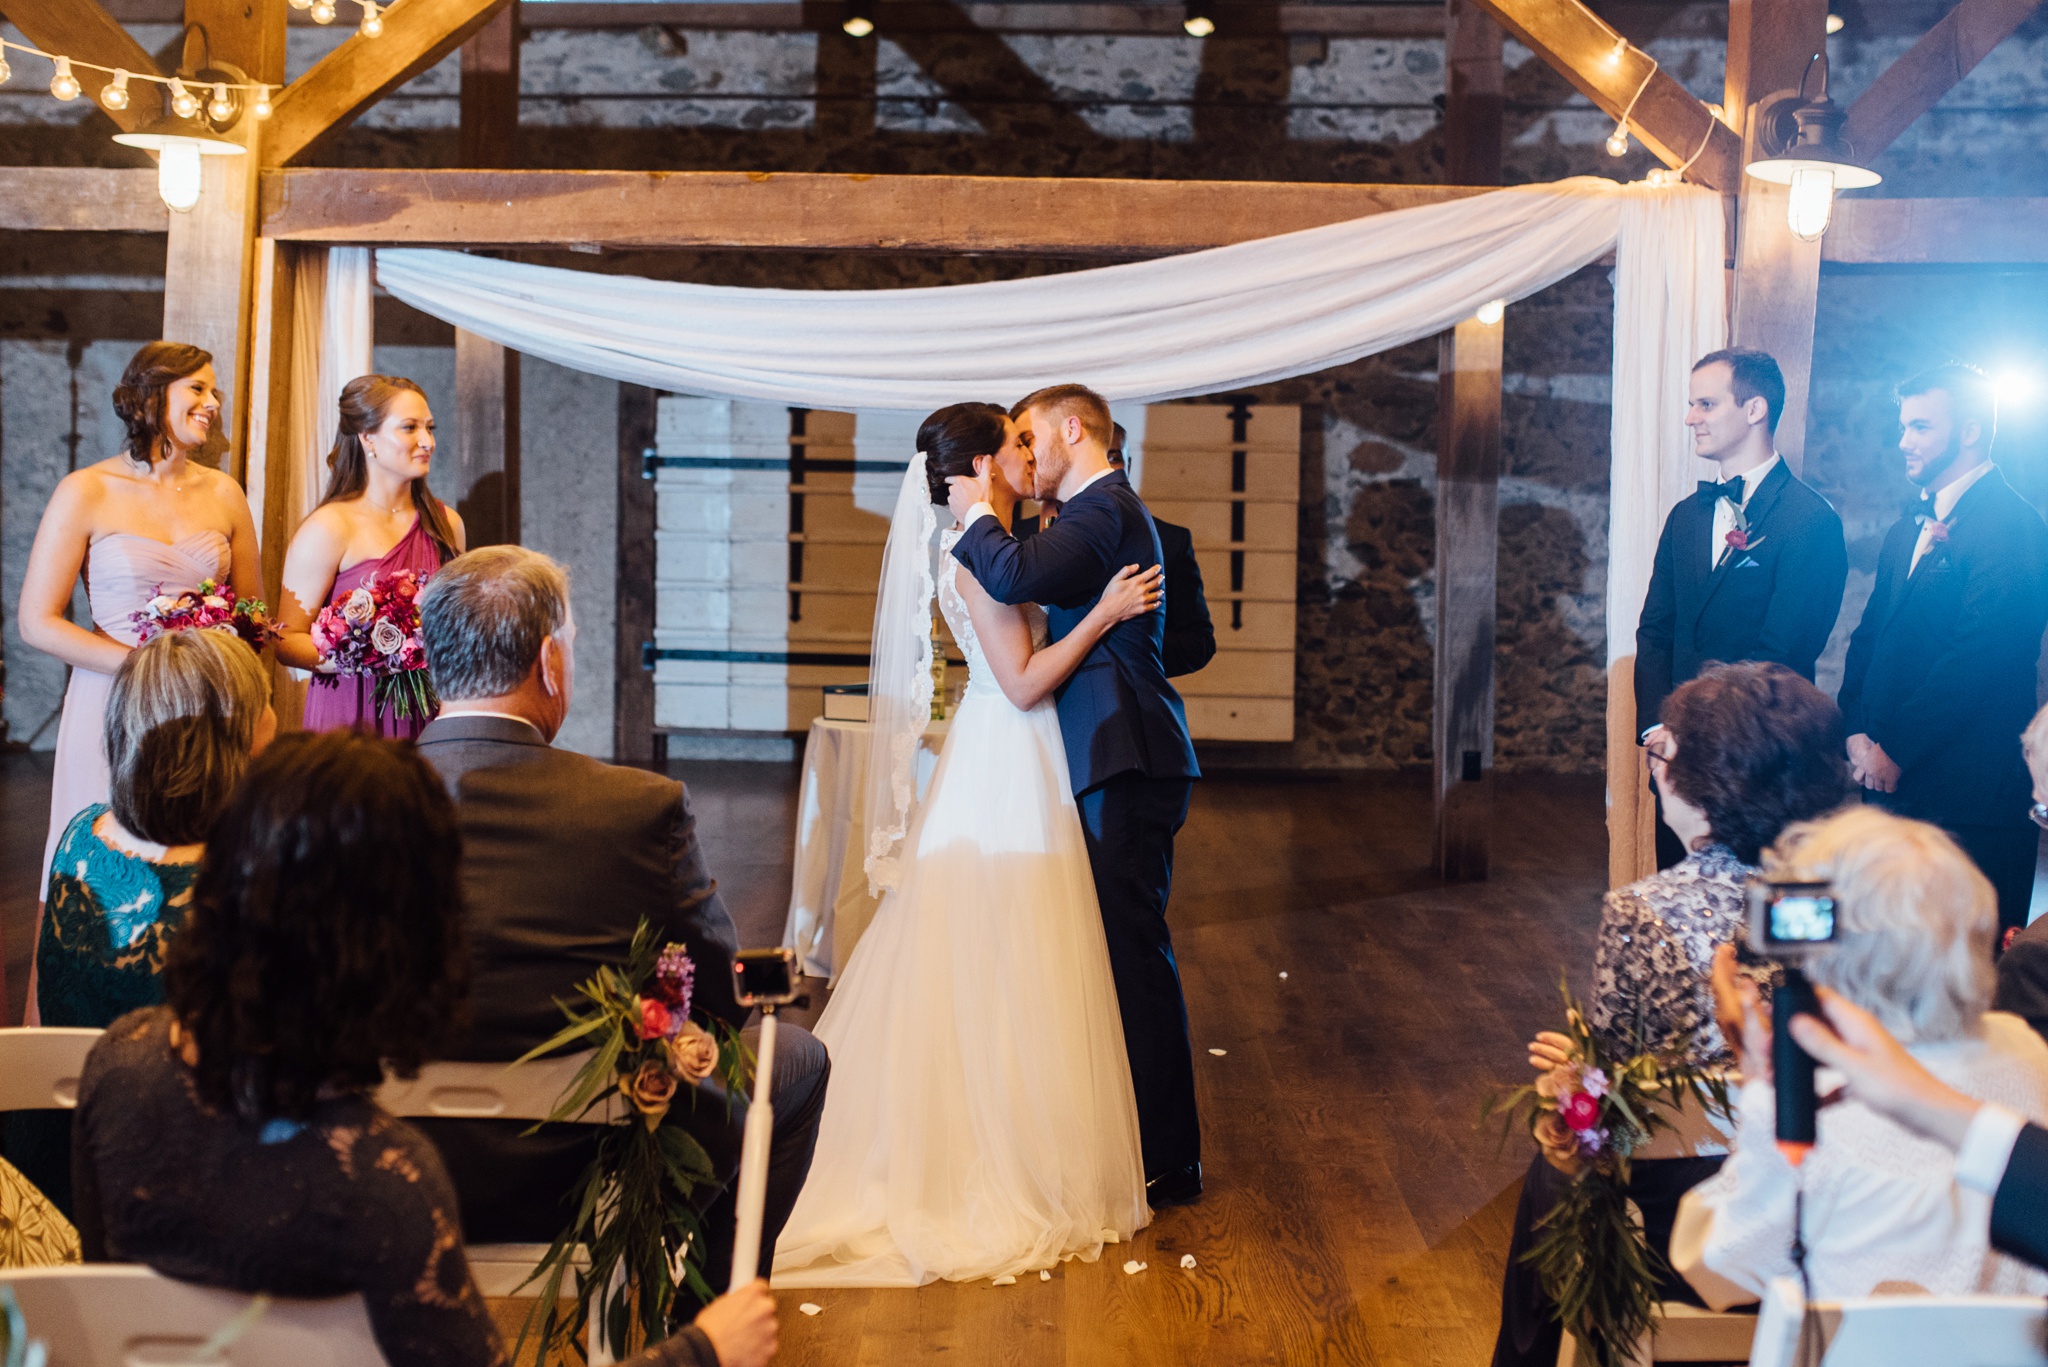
1914 925
186 712
562 858
2023 969
230 1137
1746 750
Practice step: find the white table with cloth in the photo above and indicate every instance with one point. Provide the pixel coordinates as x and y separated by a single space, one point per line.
829 906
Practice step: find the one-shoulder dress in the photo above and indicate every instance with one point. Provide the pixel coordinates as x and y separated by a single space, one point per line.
334 702
123 571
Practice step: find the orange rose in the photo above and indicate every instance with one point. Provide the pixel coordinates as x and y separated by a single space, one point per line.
693 1053
650 1090
1560 1146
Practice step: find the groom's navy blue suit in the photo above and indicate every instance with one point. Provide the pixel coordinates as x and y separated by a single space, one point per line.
1132 767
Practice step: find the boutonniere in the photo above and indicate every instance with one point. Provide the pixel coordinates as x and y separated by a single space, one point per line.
1936 529
1739 539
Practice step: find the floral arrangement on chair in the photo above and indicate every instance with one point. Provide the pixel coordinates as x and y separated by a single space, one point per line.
212 606
1590 1117
375 633
636 1214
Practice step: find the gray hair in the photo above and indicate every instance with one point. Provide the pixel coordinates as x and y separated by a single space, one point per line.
181 718
1916 920
484 615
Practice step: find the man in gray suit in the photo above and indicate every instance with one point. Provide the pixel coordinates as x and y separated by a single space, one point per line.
562 858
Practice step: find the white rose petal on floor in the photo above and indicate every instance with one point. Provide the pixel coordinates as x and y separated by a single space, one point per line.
1187 1260
1134 1267
810 1309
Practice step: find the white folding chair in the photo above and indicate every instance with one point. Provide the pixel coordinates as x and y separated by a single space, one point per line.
495 1091
40 1066
114 1315
1903 1331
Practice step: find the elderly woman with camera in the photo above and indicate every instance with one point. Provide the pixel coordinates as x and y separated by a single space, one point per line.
1914 924
1745 750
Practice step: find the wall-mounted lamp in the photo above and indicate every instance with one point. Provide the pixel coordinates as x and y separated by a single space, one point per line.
1199 20
1803 149
193 129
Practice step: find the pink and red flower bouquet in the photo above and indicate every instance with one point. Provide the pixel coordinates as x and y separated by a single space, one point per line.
374 633
211 606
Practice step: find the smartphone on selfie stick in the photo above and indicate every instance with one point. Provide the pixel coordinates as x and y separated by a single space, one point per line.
1789 922
765 978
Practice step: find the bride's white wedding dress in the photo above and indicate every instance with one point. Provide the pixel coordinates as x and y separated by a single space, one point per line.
980 1120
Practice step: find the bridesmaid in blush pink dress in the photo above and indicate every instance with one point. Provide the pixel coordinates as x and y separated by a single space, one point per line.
376 519
151 517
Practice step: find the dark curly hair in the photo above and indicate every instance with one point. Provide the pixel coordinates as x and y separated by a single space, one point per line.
954 437
325 937
1758 749
139 397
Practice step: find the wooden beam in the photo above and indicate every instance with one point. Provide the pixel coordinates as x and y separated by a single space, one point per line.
809 212
489 130
1769 45
1675 126
83 31
80 199
1467 537
348 80
1474 82
1928 70
248 33
487 439
1927 232
633 680
209 282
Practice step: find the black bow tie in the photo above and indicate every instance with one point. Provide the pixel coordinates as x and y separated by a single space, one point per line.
1729 489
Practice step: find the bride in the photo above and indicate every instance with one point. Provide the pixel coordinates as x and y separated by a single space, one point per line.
980 1121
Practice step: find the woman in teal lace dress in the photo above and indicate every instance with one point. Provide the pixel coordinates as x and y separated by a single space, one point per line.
186 712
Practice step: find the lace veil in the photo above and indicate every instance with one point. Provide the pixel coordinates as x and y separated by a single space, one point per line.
900 677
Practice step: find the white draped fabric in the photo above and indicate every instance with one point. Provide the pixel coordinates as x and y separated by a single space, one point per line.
1199 323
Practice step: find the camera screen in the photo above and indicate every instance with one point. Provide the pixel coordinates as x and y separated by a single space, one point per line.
764 975
1803 919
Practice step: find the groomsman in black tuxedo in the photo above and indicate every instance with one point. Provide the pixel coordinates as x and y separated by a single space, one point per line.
1190 635
1750 567
1940 679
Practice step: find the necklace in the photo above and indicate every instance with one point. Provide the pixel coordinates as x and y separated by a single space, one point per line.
388 512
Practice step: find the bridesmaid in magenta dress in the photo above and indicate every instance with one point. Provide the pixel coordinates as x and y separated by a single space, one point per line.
150 516
377 518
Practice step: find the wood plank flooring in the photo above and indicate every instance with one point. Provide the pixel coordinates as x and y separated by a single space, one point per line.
1354 1212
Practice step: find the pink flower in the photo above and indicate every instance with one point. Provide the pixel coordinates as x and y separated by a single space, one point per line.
676 977
693 1053
1737 539
1936 531
1580 1111
655 1019
359 608
387 638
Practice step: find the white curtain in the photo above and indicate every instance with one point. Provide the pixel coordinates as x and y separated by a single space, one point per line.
1203 322
331 344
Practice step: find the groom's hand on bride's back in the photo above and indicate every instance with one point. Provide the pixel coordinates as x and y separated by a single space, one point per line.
962 493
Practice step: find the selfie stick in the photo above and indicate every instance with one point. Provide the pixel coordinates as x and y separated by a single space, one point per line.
1792 1067
753 1192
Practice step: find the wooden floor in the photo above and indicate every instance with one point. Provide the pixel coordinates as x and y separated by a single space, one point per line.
1354 1213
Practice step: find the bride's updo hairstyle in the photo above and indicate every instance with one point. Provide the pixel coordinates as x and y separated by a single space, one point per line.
954 436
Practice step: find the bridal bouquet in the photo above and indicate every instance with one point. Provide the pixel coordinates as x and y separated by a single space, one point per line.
1590 1117
375 633
636 1214
210 607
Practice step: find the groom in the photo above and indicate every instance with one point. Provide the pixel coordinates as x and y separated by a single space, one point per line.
1127 743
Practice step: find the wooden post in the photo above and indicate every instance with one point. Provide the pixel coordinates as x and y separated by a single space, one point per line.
487 439
490 92
633 687
1777 277
1467 478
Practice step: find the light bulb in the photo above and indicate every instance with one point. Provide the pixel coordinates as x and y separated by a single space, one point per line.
1617 52
114 95
63 84
220 108
1836 23
183 102
1492 311
177 173
858 26
373 22
261 108
1198 26
1811 202
301 4
323 11
5 70
1617 143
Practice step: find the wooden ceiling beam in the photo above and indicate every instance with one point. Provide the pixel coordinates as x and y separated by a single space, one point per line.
808 212
348 80
1928 70
56 199
1937 232
1671 122
83 31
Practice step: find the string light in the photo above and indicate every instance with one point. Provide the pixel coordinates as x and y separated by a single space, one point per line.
323 11
63 84
373 22
5 70
1617 141
260 110
115 95
220 108
1617 52
183 102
